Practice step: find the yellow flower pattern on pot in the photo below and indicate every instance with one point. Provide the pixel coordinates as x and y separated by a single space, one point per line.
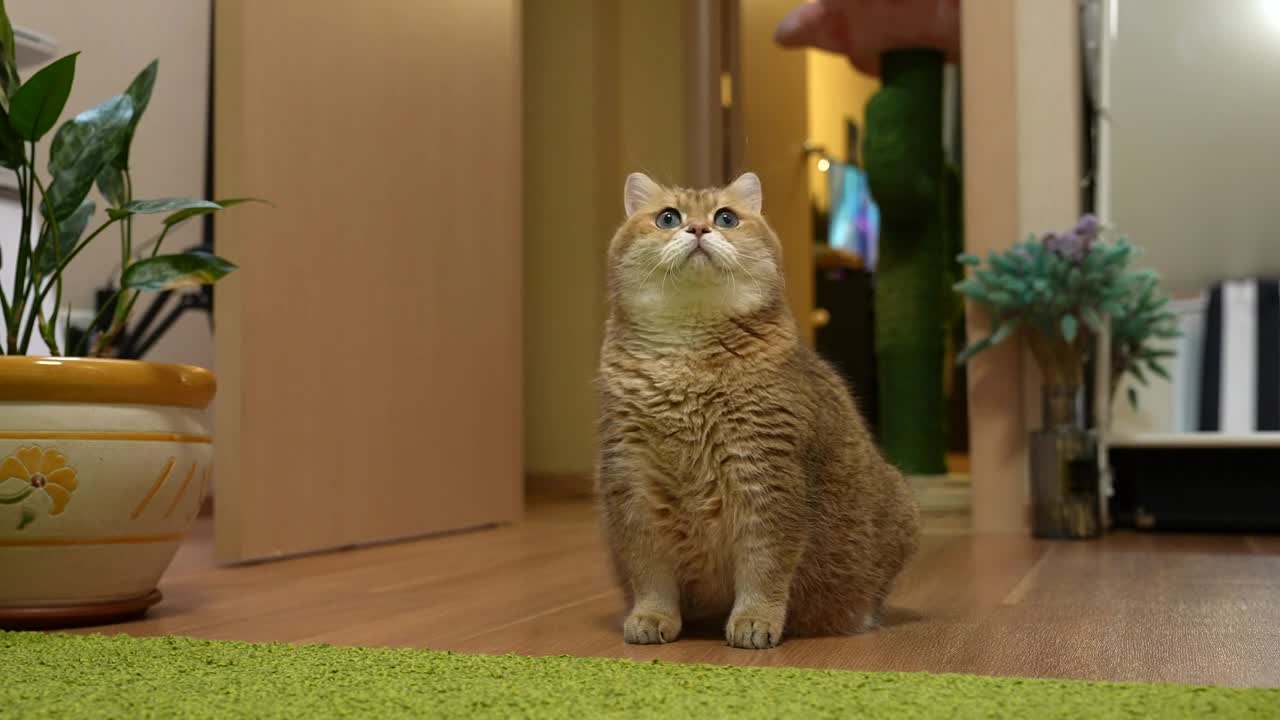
39 470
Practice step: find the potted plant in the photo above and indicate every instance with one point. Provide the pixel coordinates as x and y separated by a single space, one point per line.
1059 292
103 463
1144 319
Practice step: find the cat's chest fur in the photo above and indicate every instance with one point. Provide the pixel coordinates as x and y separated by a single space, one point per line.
693 416
687 422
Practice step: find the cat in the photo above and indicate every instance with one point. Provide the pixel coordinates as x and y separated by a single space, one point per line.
735 476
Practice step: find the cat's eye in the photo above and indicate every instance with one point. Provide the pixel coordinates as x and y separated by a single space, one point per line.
726 218
668 219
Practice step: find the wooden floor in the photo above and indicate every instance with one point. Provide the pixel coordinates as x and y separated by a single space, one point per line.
1198 609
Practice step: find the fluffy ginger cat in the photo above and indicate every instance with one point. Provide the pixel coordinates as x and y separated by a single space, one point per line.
735 476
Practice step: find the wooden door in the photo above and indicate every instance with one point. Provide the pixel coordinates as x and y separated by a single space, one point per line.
369 349
770 111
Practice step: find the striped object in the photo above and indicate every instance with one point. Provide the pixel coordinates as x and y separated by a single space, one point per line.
1240 372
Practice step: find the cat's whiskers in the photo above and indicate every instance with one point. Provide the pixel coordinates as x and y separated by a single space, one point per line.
644 281
737 262
671 252
733 284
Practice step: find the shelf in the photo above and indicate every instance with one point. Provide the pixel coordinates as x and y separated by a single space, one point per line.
1196 440
32 48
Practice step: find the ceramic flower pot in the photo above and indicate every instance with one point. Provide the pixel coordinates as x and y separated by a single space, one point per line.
103 467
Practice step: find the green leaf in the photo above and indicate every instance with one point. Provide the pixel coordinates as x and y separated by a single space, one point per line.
1010 263
1155 367
1133 397
81 148
1091 319
9 80
1006 329
16 497
28 517
1074 278
1069 327
111 185
967 259
48 332
973 349
159 205
139 92
188 213
13 154
1137 373
972 288
70 229
1013 284
169 272
36 105
1112 308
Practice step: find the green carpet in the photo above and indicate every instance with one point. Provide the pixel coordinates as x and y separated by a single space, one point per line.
63 676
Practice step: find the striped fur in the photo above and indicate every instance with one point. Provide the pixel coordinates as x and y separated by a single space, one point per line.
735 476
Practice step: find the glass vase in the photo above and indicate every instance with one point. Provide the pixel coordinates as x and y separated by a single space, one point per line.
1064 469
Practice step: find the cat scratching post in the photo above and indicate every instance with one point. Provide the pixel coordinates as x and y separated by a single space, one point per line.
904 163
905 42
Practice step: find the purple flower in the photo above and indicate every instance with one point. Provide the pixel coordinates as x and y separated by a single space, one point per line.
1075 243
1069 245
1088 227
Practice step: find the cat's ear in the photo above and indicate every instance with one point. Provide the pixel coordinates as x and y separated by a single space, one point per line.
747 189
640 190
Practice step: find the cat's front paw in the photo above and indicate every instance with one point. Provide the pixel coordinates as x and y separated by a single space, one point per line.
650 627
754 630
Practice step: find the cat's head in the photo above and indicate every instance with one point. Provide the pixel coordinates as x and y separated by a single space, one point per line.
694 252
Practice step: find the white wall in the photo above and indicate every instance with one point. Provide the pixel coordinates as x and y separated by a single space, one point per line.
116 40
1195 123
1021 172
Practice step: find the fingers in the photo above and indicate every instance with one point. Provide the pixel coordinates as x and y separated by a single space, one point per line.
815 25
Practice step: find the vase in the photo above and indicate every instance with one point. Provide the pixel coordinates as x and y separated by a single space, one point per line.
104 465
1064 469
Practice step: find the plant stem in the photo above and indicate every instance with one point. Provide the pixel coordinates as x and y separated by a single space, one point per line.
29 213
47 332
4 309
55 237
66 327
26 337
160 240
84 342
14 318
118 325
128 222
126 255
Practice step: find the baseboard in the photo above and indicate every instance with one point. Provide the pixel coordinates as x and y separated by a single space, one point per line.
558 486
942 493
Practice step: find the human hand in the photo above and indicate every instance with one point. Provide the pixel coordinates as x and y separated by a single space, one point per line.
864 29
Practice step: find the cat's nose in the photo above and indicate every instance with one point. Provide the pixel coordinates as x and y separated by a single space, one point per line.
699 230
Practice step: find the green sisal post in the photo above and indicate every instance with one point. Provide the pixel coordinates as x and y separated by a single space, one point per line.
904 162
